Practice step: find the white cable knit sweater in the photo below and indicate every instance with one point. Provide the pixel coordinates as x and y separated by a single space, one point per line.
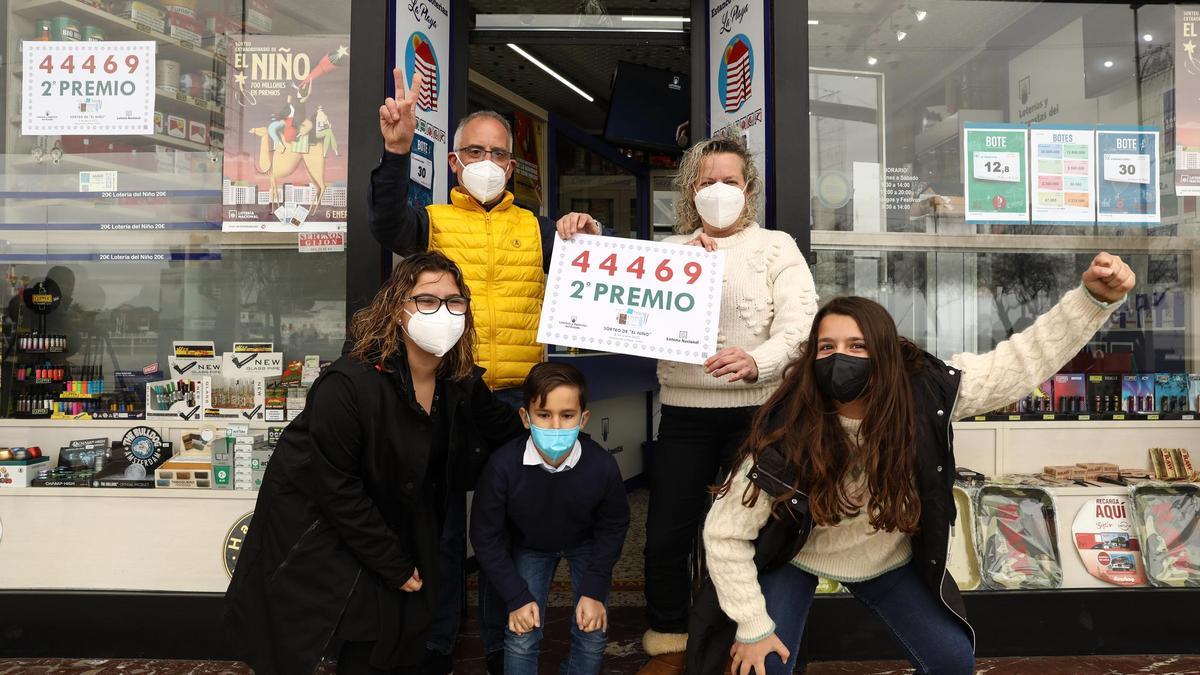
768 300
1010 371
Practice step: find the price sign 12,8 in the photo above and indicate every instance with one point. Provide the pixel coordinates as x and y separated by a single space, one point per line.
1001 166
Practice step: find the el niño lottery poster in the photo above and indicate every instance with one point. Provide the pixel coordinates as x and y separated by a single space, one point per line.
286 134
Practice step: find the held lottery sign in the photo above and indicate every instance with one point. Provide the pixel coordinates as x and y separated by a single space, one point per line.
96 88
633 297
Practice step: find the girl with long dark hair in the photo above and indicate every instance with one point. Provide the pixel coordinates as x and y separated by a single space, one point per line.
847 474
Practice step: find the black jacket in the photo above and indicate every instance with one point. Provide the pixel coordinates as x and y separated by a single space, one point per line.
935 390
341 504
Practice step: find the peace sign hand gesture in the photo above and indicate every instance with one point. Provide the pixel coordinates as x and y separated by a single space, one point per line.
397 118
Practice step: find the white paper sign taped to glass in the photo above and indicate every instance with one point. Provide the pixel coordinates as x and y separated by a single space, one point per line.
1127 185
1062 171
996 182
1107 544
633 297
93 88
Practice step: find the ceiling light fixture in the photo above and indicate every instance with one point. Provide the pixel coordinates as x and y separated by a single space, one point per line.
871 60
1148 37
814 22
920 14
1108 64
901 34
657 19
552 73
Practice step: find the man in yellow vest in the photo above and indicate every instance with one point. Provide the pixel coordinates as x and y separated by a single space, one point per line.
503 251
502 248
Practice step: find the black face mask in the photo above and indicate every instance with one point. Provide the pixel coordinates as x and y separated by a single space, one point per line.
842 378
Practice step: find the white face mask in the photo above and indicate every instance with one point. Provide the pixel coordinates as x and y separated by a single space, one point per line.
484 179
720 204
436 333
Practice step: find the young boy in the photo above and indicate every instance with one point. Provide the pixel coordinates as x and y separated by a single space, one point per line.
554 495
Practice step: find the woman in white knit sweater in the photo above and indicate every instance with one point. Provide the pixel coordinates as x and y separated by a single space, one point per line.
767 304
861 429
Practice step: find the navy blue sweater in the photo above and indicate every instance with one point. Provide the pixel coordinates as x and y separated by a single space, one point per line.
529 507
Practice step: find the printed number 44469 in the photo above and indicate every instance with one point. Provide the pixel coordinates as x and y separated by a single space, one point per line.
663 271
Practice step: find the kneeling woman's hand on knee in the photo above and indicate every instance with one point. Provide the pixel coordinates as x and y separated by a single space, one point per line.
525 619
754 655
591 615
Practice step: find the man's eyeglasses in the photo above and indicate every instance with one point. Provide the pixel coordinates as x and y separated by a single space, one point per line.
430 304
476 153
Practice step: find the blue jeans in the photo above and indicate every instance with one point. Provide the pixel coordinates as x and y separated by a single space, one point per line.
931 636
587 649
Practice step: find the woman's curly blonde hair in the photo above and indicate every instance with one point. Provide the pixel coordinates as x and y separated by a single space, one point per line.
687 219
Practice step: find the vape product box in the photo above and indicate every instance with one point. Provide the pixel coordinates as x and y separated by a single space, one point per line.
1104 393
1171 392
1137 393
1194 392
19 473
1070 394
160 126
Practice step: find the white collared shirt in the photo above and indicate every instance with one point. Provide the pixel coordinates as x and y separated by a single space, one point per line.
534 458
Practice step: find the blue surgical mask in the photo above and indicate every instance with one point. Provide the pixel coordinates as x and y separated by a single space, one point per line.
554 443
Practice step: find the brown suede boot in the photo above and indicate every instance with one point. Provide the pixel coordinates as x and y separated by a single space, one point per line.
667 651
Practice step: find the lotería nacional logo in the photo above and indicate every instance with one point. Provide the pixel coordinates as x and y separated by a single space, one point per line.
736 73
143 445
419 56
231 548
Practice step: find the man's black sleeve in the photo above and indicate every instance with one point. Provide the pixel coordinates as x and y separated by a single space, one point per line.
396 224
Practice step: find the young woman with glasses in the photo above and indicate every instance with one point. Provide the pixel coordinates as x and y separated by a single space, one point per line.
344 544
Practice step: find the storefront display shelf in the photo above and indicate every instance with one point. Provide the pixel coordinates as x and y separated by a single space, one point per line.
1088 418
164 139
162 425
117 238
170 101
118 28
139 493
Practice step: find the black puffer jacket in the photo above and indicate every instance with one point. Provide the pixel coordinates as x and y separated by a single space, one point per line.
935 389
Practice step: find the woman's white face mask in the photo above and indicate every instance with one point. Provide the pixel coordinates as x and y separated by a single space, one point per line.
720 205
435 333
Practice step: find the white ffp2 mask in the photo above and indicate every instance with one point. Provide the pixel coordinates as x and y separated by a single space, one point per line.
436 333
484 180
720 204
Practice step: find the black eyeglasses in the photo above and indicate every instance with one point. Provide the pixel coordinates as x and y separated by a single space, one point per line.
476 153
430 304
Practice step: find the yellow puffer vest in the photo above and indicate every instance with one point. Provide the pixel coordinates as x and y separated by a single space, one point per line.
500 253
